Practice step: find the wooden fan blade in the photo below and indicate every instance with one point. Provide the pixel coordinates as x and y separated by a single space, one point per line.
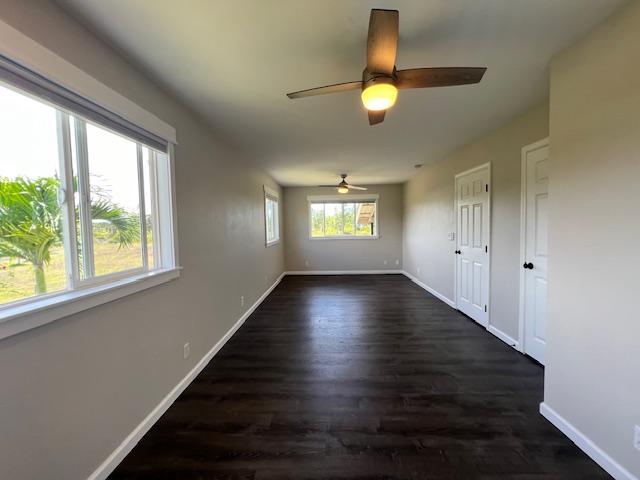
438 77
354 187
376 117
382 41
338 87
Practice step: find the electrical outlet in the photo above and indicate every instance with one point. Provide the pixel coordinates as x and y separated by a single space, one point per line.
186 351
385 262
397 263
306 263
266 279
636 438
242 300
418 270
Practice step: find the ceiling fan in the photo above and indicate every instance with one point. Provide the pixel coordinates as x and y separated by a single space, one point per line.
380 79
343 186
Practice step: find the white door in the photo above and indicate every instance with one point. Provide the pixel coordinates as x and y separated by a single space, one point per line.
534 277
472 244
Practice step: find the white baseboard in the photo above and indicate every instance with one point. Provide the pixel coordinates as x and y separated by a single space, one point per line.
433 292
585 444
504 337
113 460
343 272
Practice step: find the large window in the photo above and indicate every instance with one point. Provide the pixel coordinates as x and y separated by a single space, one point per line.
352 216
80 205
271 216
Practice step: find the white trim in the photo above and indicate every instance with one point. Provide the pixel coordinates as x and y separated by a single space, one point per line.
347 237
486 165
343 272
504 337
523 231
587 445
344 198
433 292
21 317
27 52
113 460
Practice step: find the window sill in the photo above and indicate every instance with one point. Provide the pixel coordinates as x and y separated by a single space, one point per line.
271 244
20 318
351 237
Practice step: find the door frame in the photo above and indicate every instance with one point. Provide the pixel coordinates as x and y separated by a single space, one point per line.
483 166
523 233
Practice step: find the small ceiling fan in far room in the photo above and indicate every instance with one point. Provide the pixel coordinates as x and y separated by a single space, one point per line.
343 186
380 79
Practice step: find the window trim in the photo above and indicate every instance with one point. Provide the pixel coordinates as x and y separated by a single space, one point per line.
28 313
344 198
274 196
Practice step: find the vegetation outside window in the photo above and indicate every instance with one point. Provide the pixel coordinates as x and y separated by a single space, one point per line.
80 204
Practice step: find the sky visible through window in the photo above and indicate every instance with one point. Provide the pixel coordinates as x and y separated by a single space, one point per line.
30 148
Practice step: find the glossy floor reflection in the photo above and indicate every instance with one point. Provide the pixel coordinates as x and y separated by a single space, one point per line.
353 377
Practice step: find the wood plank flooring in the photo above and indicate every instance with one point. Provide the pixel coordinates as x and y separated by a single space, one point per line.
359 377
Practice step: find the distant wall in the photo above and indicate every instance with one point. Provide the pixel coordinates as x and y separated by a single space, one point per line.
343 254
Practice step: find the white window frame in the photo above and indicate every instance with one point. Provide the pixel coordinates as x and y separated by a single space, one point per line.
370 198
271 194
23 315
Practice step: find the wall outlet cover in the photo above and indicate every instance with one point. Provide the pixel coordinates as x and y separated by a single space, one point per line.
186 351
636 437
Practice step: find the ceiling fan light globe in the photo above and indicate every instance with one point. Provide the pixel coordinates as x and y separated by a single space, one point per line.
379 96
343 190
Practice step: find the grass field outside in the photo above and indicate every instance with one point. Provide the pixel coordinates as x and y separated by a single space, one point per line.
17 279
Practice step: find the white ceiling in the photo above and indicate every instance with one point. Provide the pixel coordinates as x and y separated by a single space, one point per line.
233 62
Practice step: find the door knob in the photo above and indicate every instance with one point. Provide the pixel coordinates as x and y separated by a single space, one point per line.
457 252
528 265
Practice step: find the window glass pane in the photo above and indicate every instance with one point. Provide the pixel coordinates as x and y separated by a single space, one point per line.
32 258
332 219
365 218
317 219
115 210
271 207
349 219
150 203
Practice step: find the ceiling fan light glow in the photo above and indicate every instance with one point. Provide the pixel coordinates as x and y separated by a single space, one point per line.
379 96
343 189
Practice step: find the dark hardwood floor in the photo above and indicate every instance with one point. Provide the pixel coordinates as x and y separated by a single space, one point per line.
354 377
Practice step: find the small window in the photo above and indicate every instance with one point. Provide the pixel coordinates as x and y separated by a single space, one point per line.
339 217
271 216
80 205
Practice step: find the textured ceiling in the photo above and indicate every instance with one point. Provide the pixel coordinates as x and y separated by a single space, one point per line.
233 62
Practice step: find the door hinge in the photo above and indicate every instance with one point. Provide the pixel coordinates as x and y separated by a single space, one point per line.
485 308
486 187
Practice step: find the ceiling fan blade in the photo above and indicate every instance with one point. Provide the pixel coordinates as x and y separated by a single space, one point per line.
326 186
438 77
382 41
376 117
338 87
354 187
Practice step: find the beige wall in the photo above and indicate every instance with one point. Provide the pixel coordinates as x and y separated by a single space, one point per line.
343 254
429 215
71 391
593 372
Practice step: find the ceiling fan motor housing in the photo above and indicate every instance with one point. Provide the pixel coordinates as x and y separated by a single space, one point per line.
369 79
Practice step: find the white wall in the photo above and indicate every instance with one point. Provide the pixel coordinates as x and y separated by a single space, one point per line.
343 254
429 215
72 390
593 372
